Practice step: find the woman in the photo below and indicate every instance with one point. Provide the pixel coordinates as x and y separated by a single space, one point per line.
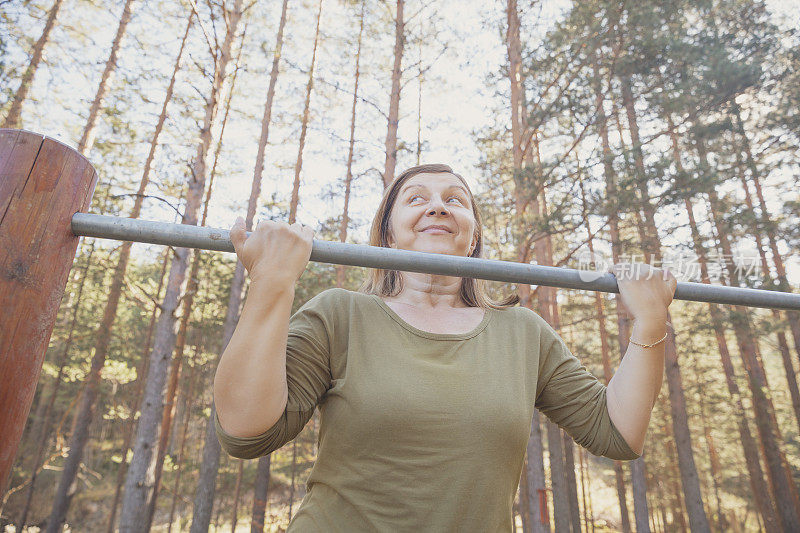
426 387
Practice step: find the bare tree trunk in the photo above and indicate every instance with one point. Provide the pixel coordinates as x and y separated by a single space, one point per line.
572 483
535 505
139 481
291 485
340 269
141 371
638 481
13 117
237 491
184 430
558 479
768 225
605 350
683 440
758 486
255 188
85 411
262 472
713 459
394 97
260 491
87 138
298 166
784 491
168 411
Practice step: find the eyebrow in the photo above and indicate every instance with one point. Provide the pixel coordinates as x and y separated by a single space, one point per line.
404 189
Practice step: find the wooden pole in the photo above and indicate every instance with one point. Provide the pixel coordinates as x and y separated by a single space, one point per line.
42 184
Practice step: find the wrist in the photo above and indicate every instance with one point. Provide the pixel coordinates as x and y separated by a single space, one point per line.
648 332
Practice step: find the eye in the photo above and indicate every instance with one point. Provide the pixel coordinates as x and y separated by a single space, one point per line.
456 198
414 197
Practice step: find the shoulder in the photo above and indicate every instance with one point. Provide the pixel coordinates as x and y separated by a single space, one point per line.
528 321
328 299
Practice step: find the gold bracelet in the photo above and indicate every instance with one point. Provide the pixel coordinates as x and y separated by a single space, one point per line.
647 345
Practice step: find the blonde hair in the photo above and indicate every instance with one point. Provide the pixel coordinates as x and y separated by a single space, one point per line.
389 282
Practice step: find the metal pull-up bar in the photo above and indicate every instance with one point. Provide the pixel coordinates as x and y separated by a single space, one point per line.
186 236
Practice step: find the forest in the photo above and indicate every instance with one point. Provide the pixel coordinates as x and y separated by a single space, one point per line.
591 132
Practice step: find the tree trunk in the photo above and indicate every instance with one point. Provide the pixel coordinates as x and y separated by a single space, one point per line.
605 350
683 440
572 483
713 459
638 481
768 225
255 188
260 492
262 472
184 430
141 371
784 491
394 97
168 410
291 484
139 481
87 138
83 416
340 269
298 166
536 502
758 486
237 491
14 115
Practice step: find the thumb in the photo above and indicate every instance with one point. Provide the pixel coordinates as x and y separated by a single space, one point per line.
238 234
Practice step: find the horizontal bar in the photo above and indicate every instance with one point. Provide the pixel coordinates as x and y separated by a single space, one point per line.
186 236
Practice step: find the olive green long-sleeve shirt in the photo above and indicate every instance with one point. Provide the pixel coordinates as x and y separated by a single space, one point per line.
424 431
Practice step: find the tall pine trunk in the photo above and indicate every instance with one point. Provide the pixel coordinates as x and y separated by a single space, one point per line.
784 491
87 138
535 506
394 97
680 422
752 459
605 350
767 224
260 493
638 480
138 383
298 165
139 481
340 269
168 411
14 115
206 486
189 406
85 411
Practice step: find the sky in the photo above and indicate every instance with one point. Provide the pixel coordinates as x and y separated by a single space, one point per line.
457 102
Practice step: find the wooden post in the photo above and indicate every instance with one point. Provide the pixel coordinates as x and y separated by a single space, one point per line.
42 184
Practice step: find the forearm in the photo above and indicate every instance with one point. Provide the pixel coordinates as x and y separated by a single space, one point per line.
250 391
633 390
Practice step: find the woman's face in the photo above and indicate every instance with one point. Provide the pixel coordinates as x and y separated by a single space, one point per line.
433 213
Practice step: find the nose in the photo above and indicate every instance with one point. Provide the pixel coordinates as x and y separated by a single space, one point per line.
437 207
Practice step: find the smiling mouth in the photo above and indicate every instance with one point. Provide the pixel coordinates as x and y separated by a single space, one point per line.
436 231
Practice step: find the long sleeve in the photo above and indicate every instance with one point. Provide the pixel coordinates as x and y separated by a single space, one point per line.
569 395
308 377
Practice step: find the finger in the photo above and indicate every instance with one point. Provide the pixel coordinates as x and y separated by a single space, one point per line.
238 234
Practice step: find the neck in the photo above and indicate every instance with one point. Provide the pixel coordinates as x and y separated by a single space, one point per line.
427 290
